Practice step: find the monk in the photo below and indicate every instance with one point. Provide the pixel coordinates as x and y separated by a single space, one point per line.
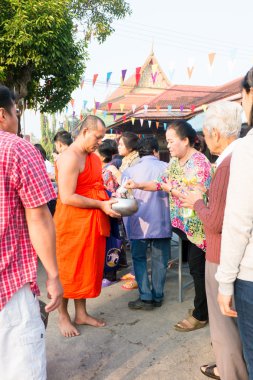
82 224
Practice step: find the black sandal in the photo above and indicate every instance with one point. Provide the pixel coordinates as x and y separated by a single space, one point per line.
209 371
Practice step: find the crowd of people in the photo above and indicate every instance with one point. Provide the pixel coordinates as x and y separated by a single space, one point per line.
207 205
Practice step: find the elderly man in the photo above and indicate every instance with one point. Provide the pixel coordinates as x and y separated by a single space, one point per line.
221 129
82 224
150 226
26 230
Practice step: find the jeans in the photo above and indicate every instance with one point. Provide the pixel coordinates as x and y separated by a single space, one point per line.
197 261
244 308
160 254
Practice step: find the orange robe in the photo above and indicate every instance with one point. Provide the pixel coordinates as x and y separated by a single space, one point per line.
81 236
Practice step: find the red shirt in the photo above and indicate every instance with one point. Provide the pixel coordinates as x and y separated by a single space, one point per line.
24 183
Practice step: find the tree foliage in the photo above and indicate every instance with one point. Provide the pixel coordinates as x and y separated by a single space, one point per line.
41 56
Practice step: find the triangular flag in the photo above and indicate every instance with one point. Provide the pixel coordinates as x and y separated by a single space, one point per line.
154 68
74 114
190 70
158 108
97 104
193 107
111 131
85 103
154 77
114 116
72 102
132 120
108 77
171 73
133 107
81 84
145 108
211 57
181 108
109 105
123 74
169 107
137 77
124 117
66 109
141 121
157 124
204 107
94 111
105 113
95 77
138 70
122 107
149 123
165 126
81 116
143 136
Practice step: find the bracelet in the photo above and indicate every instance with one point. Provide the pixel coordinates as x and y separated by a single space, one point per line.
158 186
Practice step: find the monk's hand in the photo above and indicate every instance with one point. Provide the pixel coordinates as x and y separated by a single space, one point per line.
189 198
130 184
54 293
106 207
225 303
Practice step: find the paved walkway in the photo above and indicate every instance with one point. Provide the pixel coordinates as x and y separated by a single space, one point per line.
133 345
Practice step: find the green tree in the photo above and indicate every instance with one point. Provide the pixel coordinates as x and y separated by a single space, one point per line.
41 56
47 136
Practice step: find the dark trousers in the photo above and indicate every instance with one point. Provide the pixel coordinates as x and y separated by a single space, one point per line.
197 261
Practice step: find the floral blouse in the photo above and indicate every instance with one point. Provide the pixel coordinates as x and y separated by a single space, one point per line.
196 170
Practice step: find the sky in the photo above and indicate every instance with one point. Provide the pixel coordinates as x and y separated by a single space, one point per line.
182 34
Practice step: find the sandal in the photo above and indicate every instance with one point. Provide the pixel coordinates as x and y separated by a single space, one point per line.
209 371
128 276
190 324
130 285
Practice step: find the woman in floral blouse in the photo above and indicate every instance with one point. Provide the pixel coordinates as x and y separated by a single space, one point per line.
187 168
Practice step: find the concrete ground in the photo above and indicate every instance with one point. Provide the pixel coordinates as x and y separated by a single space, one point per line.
134 344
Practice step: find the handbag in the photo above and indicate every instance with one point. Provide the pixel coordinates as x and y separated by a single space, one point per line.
114 249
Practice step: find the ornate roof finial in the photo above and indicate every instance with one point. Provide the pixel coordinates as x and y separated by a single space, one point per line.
152 48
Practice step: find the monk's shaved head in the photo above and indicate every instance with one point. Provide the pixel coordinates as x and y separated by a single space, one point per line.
91 122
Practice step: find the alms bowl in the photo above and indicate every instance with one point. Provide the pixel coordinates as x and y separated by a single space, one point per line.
125 206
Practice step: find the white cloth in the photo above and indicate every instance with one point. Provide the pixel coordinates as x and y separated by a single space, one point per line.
22 338
49 168
237 233
226 152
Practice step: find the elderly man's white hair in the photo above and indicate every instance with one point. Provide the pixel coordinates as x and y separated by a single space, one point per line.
225 116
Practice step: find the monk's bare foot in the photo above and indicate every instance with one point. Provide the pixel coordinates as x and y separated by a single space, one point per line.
89 320
66 328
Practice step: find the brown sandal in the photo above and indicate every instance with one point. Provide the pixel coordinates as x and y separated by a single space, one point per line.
183 326
209 371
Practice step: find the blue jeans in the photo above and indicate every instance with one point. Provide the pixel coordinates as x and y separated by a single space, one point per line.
244 308
160 254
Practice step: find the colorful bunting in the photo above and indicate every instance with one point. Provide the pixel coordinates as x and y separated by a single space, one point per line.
105 113
158 108
95 77
94 111
133 108
81 116
85 103
108 77
145 108
211 57
132 120
81 84
66 109
122 107
181 108
149 123
97 104
189 71
193 107
123 74
141 121
204 107
109 105
157 124
111 131
124 117
169 107
165 126
171 73
72 102
114 116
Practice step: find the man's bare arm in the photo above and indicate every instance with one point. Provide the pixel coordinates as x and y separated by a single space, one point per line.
42 234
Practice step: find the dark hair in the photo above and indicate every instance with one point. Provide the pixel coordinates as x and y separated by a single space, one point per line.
130 140
41 150
184 130
113 144
147 145
64 137
106 150
7 99
247 84
200 143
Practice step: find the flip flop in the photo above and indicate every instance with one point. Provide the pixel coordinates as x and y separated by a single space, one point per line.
130 285
209 371
128 276
106 282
